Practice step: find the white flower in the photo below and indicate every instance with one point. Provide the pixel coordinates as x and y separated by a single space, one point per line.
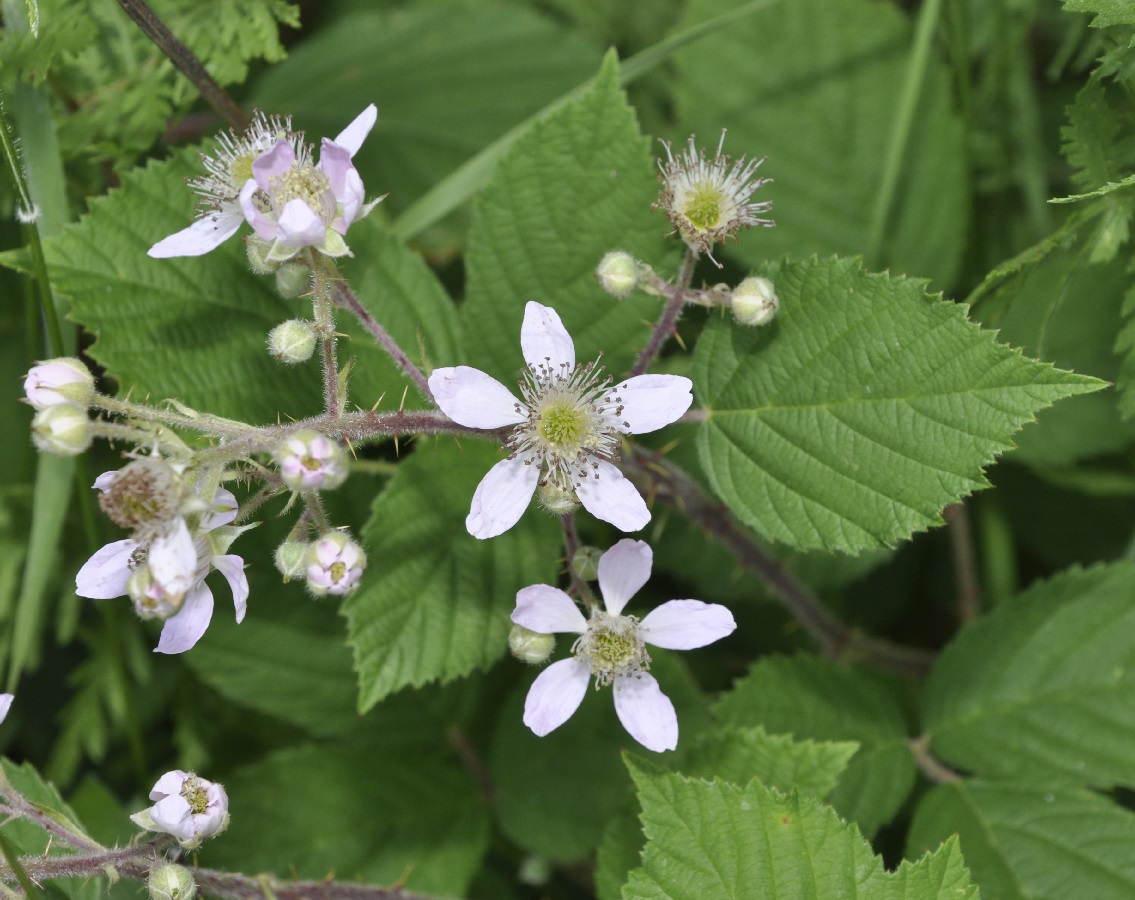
188 807
308 460
165 574
335 564
707 200
56 381
612 647
5 705
566 431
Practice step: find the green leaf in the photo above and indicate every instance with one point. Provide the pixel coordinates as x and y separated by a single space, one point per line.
1107 12
866 408
578 184
1023 843
719 840
814 85
374 817
435 603
1042 686
819 700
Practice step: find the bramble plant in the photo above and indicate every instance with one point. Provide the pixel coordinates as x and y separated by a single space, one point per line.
477 400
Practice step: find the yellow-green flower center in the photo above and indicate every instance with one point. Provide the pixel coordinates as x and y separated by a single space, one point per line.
338 571
703 207
613 647
563 425
193 791
240 169
305 183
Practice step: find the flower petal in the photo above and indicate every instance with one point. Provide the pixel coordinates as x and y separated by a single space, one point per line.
264 227
276 161
173 560
5 705
474 399
169 785
555 695
232 567
646 713
543 339
686 624
652 401
299 226
221 511
501 497
105 480
105 574
185 629
623 570
547 610
351 138
205 234
612 498
173 816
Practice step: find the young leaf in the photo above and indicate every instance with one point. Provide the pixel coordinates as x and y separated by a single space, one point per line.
1042 686
867 407
819 700
1107 12
435 603
718 840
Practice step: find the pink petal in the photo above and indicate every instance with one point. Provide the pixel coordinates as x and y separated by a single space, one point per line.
686 624
474 399
204 235
612 498
351 197
652 401
105 574
555 695
264 227
275 162
185 629
105 480
501 497
299 226
174 816
232 567
173 560
547 610
221 511
623 570
351 138
543 338
646 713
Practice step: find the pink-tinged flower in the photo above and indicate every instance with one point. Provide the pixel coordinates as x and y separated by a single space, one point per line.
611 647
309 460
565 432
187 807
335 564
164 574
56 381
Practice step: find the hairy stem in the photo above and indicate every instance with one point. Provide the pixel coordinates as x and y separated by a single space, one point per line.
965 565
670 315
325 327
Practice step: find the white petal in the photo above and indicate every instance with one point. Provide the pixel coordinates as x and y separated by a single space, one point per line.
5 705
174 816
105 480
555 695
623 570
232 567
185 629
204 235
501 497
612 498
543 339
221 511
265 227
646 713
105 574
652 401
353 135
474 399
299 226
547 610
173 560
686 624
169 785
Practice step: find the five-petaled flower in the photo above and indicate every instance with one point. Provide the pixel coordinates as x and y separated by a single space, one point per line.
565 432
187 807
611 647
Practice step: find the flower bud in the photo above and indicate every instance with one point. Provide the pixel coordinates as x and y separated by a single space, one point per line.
257 250
309 460
62 430
293 280
617 273
292 342
150 600
61 380
556 500
170 882
754 302
291 559
529 646
187 807
585 563
335 563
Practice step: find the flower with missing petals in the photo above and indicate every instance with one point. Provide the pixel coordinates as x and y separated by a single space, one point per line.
708 200
564 433
187 807
611 647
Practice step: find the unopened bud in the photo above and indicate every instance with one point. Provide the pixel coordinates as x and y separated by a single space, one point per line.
292 342
530 646
556 500
293 280
755 302
310 460
150 601
291 559
257 249
170 882
335 563
62 430
617 273
61 380
585 563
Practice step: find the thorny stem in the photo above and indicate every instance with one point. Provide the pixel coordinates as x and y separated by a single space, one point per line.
670 314
965 566
187 63
662 478
928 764
325 326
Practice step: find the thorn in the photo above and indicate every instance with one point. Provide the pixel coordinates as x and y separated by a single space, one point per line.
402 402
351 447
378 401
396 450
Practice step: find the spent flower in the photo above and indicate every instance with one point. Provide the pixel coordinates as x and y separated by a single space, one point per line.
611 647
187 807
565 432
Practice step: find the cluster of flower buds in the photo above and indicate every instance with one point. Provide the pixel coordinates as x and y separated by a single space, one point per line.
332 564
60 390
